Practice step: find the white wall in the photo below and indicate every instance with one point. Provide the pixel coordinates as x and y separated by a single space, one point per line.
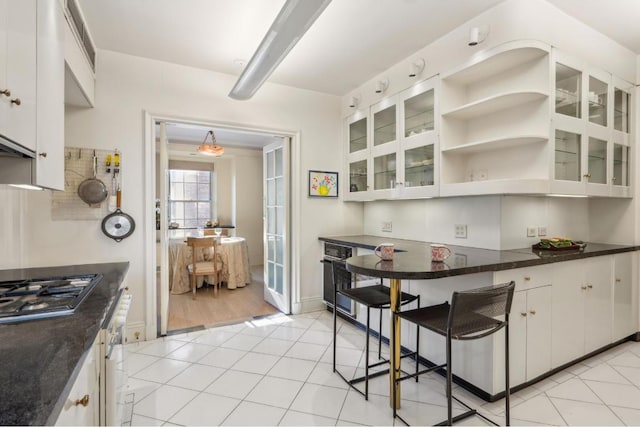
500 222
127 87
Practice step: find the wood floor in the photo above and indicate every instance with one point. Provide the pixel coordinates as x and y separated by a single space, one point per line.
230 306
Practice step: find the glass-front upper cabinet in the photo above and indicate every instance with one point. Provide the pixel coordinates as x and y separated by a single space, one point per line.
598 101
358 135
418 145
621 137
568 156
621 110
384 123
620 165
568 91
357 152
597 161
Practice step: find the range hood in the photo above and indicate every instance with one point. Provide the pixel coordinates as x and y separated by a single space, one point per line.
17 164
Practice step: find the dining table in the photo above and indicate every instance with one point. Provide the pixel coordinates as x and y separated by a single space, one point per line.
233 252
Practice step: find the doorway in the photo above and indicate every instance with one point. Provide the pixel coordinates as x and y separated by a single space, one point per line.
177 141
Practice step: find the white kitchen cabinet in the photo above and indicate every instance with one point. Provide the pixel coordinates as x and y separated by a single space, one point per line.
18 71
592 144
50 95
82 405
529 326
495 112
582 308
392 151
357 131
625 305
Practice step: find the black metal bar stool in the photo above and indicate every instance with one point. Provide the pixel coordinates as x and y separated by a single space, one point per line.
472 314
377 297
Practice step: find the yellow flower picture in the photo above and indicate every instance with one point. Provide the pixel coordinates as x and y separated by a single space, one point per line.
323 184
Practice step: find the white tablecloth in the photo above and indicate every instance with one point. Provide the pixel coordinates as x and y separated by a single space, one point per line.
235 258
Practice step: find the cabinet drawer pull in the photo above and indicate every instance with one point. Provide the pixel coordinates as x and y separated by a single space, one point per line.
5 92
16 101
527 278
587 175
533 312
523 314
84 401
43 154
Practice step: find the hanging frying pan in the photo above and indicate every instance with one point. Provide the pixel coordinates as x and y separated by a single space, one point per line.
118 225
92 191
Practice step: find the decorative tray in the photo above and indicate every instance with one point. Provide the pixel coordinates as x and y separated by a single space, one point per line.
577 245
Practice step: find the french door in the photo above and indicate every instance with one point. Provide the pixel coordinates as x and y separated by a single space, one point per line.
275 169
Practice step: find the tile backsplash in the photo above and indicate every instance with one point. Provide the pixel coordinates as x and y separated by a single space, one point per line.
78 166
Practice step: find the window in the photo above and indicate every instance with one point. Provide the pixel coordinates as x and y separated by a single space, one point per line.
190 202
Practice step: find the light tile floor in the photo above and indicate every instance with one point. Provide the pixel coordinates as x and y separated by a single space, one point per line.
277 371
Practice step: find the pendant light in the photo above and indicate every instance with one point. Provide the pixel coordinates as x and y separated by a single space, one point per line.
212 149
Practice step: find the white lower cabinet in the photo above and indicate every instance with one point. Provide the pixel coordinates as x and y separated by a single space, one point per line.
82 405
625 305
582 308
530 335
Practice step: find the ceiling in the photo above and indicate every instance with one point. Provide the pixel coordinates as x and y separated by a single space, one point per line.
344 48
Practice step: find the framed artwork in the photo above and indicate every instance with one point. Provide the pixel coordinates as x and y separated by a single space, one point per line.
323 184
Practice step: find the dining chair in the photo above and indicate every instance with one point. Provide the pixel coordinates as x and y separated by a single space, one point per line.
211 264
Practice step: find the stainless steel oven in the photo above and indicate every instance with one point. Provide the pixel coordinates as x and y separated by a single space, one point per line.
336 253
113 369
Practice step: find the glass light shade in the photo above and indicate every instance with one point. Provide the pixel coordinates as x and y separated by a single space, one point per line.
211 150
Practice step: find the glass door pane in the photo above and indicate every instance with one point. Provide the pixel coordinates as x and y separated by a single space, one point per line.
384 168
620 165
597 101
567 153
621 104
358 135
384 126
418 114
597 161
358 176
418 166
568 91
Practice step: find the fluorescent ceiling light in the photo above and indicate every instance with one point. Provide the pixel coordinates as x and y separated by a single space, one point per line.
294 19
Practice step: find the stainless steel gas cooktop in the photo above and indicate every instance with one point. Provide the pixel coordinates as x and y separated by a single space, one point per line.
44 297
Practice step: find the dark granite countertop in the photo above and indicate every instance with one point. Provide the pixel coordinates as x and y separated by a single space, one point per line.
412 259
41 358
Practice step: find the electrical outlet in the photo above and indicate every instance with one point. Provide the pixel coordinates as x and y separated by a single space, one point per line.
531 231
387 226
542 231
460 231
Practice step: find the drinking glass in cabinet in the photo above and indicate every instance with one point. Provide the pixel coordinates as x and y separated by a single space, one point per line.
418 114
568 91
358 135
384 126
384 171
621 103
418 166
567 161
597 161
597 101
620 165
358 176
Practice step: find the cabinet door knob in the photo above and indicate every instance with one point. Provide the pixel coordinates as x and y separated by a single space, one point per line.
5 92
589 286
16 101
527 278
523 314
43 154
618 280
584 288
533 312
587 175
84 401
613 179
